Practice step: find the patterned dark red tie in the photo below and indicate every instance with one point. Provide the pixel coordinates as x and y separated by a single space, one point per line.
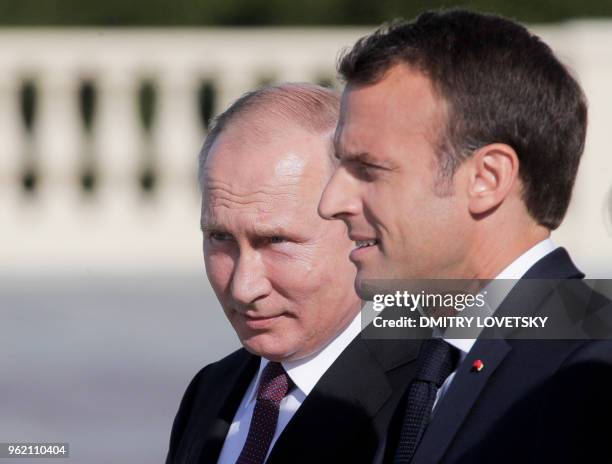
273 386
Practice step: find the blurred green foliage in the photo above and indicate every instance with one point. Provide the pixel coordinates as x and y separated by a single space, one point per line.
273 12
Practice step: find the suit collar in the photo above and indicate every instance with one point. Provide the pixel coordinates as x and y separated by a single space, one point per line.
521 264
528 294
542 261
555 265
306 372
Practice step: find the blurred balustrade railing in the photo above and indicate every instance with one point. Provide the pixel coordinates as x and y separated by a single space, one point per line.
100 130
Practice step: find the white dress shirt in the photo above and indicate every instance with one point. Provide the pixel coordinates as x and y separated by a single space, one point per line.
305 373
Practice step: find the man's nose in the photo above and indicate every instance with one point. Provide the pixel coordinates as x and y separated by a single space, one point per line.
249 280
340 198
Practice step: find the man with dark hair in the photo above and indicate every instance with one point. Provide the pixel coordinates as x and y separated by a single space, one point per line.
305 388
499 83
459 140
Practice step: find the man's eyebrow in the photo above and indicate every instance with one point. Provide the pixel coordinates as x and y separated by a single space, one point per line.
263 230
361 156
342 154
211 226
259 230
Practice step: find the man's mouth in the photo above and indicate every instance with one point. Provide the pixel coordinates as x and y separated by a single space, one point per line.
259 318
365 243
261 322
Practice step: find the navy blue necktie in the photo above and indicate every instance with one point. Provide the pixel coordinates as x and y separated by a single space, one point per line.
437 360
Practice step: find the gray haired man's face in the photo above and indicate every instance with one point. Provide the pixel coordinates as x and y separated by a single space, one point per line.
280 271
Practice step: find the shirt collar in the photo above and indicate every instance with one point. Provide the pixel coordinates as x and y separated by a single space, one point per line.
306 372
515 270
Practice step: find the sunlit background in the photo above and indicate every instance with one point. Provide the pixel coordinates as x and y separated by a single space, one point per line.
105 309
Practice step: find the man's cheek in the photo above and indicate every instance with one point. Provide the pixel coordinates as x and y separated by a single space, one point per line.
285 328
219 270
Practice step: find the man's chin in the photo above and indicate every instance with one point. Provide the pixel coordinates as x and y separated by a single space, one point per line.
365 285
262 345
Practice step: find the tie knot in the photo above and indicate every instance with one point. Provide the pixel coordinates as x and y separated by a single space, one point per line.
274 383
436 361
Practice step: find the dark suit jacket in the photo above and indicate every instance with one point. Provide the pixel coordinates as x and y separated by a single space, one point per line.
535 401
342 420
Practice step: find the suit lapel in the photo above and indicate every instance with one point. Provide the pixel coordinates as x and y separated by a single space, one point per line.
491 348
338 415
468 384
222 404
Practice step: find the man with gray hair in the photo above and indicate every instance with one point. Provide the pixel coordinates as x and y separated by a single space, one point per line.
305 387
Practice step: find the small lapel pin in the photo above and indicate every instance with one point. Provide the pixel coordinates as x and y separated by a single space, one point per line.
477 365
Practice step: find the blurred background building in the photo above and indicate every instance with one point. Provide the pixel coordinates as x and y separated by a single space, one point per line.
105 309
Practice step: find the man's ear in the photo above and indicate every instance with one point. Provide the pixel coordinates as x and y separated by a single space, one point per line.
493 174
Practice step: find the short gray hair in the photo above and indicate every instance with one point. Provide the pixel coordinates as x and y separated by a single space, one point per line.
310 106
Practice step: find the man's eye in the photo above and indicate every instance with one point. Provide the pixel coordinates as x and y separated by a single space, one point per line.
276 239
220 236
365 170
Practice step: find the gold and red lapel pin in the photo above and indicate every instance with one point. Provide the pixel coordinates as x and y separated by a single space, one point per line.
477 365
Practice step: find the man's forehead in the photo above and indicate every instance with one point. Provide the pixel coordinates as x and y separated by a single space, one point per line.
257 146
277 224
290 166
403 102
254 196
402 84
274 182
354 134
296 221
364 109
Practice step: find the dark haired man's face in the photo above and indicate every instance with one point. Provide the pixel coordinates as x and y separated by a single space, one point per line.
385 186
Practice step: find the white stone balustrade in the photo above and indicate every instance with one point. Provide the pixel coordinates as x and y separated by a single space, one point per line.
119 226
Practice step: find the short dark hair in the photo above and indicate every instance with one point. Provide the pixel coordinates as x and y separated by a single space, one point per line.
501 84
313 107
